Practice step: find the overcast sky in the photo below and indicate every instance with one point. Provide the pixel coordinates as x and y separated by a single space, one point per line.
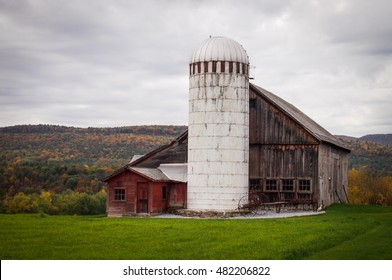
117 63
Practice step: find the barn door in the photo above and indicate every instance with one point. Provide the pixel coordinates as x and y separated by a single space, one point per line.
142 197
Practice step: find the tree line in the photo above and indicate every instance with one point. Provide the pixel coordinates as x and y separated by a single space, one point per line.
68 164
369 187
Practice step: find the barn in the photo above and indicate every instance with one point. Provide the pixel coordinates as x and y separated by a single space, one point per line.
241 138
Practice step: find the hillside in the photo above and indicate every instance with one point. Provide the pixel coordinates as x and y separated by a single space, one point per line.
56 158
385 139
370 154
49 157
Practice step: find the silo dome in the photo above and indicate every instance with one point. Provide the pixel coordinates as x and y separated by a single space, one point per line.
220 49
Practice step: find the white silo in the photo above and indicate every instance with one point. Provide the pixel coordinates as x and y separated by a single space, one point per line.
218 133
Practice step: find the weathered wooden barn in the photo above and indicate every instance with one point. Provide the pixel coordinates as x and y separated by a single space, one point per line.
290 157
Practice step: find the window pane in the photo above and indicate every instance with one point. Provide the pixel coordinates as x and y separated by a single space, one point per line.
287 185
304 185
254 184
119 194
271 185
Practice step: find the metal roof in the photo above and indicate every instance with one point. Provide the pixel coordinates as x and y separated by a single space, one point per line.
220 49
175 171
151 173
302 119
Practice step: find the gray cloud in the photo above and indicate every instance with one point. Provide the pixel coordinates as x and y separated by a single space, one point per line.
111 63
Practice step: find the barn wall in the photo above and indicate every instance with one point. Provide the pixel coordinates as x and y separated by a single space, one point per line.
152 202
158 202
280 149
269 125
178 195
283 161
333 168
127 181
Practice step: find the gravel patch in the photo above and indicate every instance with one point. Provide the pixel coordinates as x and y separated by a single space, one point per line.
268 215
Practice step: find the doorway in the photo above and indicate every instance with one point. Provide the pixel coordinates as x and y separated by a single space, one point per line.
142 197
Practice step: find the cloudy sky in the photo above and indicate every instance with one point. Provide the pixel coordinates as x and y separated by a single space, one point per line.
116 63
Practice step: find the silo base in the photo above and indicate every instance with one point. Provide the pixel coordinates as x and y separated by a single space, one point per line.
208 213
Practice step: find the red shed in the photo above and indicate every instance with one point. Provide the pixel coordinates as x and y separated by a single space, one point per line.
150 186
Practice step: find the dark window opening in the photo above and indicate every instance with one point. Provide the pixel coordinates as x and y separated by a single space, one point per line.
254 184
119 194
164 192
205 67
252 103
199 67
271 185
304 186
238 67
288 185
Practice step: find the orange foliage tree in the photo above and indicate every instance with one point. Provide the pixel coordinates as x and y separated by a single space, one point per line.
369 187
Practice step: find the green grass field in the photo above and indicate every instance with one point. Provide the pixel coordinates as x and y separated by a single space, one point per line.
344 232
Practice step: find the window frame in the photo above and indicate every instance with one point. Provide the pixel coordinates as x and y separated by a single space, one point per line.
119 196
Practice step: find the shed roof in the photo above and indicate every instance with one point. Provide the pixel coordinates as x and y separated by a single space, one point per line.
153 174
298 116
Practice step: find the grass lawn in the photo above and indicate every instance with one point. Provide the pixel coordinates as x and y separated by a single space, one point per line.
344 232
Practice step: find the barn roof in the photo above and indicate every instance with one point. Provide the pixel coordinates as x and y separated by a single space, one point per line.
302 119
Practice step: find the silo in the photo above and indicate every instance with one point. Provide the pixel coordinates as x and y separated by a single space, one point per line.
218 139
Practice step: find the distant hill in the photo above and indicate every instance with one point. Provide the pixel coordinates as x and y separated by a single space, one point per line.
385 139
371 151
57 158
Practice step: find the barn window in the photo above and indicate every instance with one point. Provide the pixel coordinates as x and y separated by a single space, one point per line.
271 185
254 184
252 103
287 185
304 185
164 192
119 194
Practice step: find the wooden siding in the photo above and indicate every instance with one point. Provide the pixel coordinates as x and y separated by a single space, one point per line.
283 161
269 125
176 152
278 146
178 195
333 168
